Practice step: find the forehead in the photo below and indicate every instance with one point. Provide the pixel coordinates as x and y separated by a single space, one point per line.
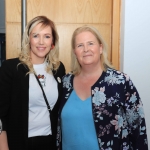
41 28
85 35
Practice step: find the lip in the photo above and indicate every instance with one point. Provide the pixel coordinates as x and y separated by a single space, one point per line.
87 55
41 48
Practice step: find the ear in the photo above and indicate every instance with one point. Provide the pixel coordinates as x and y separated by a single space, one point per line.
52 46
101 48
74 51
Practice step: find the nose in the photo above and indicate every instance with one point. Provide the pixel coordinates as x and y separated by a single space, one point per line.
41 40
86 48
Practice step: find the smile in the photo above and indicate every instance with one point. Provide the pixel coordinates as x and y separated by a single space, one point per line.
87 55
41 48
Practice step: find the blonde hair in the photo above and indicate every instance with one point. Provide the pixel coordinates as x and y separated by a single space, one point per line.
75 66
52 57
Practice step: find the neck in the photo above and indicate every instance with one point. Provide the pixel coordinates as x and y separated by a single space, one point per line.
37 61
90 71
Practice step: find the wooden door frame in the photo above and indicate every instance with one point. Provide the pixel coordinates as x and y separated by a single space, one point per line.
116 34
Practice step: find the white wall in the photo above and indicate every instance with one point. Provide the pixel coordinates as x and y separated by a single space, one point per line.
135 49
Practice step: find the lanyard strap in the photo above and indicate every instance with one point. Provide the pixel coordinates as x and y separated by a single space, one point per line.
45 98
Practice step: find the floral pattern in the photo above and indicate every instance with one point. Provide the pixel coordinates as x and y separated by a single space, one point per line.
117 111
99 96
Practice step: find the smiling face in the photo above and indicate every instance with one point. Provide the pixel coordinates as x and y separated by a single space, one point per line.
87 49
40 43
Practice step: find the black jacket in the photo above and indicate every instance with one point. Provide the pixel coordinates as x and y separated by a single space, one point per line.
14 100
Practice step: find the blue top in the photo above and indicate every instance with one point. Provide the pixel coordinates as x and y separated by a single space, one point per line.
78 131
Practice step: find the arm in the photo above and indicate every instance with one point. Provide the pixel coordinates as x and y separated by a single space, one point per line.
3 141
5 87
135 117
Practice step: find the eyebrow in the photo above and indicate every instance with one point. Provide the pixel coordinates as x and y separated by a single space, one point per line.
44 34
78 44
91 41
86 42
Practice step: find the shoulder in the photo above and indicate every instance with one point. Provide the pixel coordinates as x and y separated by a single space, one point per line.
9 68
117 76
60 71
115 72
68 78
61 66
13 65
68 75
68 81
10 64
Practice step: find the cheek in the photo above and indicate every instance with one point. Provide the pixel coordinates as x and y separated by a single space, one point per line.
32 43
49 43
76 52
78 56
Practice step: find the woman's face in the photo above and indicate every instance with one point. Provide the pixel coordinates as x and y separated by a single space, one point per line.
40 43
87 49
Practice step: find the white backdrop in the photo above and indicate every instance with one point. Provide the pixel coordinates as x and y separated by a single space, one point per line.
135 49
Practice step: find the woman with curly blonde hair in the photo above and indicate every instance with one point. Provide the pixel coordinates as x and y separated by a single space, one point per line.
30 88
51 56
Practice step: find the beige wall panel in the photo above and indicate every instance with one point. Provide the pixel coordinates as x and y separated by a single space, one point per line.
13 40
65 32
116 34
13 10
68 15
71 11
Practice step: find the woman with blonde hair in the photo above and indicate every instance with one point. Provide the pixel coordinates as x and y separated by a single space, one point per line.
100 106
30 88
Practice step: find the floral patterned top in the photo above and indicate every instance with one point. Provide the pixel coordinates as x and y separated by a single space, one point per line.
117 111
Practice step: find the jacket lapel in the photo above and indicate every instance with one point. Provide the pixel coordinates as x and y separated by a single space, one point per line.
24 96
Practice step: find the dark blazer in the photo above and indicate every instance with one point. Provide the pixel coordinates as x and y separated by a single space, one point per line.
14 101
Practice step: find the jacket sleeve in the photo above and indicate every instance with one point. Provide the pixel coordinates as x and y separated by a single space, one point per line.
5 92
135 117
0 126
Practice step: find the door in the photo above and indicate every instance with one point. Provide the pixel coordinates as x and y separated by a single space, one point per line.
67 15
